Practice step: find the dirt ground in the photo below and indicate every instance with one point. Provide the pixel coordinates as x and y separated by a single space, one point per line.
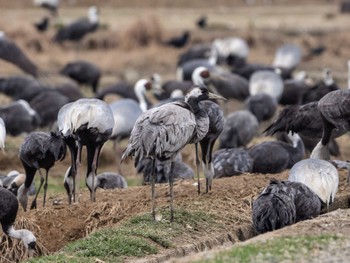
113 50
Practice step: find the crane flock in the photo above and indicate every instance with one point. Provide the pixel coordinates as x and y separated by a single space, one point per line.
158 126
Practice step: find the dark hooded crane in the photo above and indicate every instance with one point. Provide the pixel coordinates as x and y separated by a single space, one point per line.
216 126
276 156
334 110
8 214
10 52
231 161
229 85
239 129
202 22
47 104
284 203
178 41
20 87
39 150
161 133
262 105
319 175
83 72
197 51
42 25
19 118
86 122
305 120
80 28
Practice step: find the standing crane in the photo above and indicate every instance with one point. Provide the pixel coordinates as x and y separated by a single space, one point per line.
161 132
39 150
89 122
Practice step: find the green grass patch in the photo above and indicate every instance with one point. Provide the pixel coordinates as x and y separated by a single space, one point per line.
138 237
275 250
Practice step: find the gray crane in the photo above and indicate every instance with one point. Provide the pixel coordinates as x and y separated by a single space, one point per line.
86 122
39 150
239 129
83 72
319 175
79 28
160 133
19 117
11 52
231 161
276 156
284 203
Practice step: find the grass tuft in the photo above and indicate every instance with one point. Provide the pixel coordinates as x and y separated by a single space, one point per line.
138 237
296 249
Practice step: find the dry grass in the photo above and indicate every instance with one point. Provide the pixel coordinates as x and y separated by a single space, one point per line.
141 33
13 250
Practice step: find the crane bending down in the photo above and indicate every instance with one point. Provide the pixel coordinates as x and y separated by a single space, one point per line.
8 214
39 150
88 122
161 132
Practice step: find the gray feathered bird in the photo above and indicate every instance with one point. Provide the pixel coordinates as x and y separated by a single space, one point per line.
284 203
160 133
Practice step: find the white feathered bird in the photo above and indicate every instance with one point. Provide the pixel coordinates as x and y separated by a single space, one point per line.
319 175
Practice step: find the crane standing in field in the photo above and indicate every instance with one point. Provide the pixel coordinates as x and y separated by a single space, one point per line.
89 122
39 150
161 132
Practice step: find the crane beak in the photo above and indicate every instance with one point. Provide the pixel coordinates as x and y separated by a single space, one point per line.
213 96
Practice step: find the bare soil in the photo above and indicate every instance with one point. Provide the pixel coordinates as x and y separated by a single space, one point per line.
264 27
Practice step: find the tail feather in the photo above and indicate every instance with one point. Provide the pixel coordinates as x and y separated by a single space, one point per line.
283 123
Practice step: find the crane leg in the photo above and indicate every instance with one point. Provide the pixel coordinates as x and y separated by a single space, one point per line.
37 193
153 182
171 191
197 168
93 169
116 149
76 181
45 187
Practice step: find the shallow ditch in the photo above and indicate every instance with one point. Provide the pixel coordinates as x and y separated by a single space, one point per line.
243 233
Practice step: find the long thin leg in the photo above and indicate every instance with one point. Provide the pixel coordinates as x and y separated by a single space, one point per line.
94 168
70 141
153 181
45 186
37 193
197 168
76 181
171 191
